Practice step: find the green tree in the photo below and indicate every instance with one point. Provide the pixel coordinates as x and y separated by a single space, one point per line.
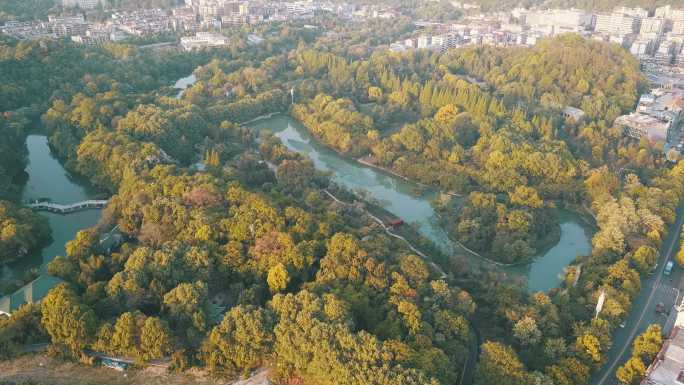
632 372
526 331
648 343
155 339
679 257
21 231
645 258
589 346
23 328
499 364
644 349
241 342
186 307
278 278
125 335
69 322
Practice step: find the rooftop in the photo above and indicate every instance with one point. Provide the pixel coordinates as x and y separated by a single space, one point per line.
32 292
668 367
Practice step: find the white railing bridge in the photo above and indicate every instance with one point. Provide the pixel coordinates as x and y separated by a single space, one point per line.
70 208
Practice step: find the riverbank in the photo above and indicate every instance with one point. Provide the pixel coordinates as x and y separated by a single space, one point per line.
478 255
389 172
260 117
491 261
391 232
366 161
543 246
396 196
583 213
48 178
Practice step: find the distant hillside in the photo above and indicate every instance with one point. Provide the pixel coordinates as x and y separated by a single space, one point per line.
24 9
593 5
39 9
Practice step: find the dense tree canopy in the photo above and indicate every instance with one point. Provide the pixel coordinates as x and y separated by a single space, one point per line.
21 231
234 257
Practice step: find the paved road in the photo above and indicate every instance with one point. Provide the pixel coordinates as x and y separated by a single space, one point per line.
654 290
468 374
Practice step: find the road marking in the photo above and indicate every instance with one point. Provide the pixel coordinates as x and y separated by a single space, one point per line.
635 329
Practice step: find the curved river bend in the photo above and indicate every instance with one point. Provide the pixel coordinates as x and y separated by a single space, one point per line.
49 179
394 195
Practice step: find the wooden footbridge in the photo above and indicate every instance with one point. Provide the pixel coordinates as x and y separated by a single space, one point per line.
67 209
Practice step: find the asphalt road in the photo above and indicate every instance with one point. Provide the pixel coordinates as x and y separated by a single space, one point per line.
658 288
468 374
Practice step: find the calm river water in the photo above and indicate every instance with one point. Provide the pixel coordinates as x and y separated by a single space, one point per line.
47 178
183 83
395 195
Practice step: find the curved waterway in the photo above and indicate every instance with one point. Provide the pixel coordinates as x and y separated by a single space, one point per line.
48 179
394 194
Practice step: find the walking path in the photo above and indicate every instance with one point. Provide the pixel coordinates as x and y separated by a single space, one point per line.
397 236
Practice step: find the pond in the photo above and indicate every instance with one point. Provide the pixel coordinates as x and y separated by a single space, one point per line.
396 196
183 83
48 179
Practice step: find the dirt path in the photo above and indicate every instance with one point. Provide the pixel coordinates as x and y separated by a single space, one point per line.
42 369
439 270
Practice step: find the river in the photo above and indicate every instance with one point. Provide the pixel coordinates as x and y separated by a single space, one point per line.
395 195
47 178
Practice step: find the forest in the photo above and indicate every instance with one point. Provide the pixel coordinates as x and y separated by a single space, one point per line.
501 142
21 231
250 264
230 268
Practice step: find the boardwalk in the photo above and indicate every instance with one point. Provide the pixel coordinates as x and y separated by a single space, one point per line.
67 209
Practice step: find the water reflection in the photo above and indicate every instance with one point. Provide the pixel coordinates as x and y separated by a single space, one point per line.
395 195
47 178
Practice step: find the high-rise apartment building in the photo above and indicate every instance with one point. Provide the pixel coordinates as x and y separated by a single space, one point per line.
424 41
85 4
634 12
665 53
560 19
445 41
678 27
650 25
667 12
616 24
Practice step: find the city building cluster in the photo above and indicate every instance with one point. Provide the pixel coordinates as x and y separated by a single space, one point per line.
203 39
195 18
230 12
83 4
658 117
656 38
668 366
120 26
